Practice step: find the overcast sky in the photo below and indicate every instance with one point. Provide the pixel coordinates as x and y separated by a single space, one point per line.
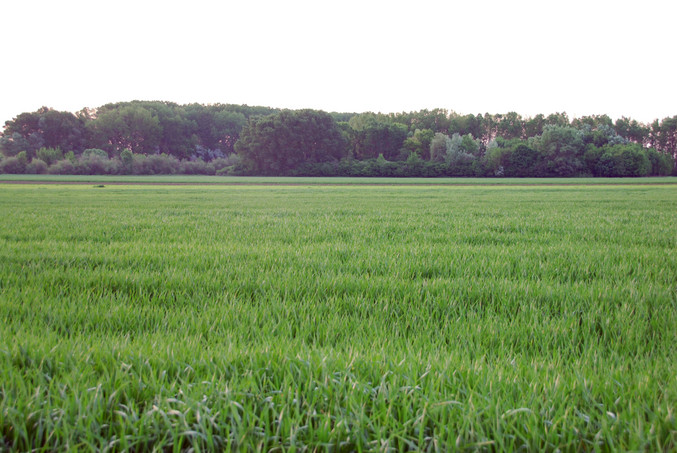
474 56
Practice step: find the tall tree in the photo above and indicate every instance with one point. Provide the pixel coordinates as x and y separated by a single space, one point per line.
44 128
594 122
419 142
280 143
562 147
663 135
133 127
373 135
466 124
511 125
438 147
558 119
534 126
436 120
632 130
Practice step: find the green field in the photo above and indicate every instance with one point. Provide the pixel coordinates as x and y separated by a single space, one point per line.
368 318
283 180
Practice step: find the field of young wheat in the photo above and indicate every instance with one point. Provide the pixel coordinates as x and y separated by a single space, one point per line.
346 318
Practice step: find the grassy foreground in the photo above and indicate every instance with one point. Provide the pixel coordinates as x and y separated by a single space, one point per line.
338 318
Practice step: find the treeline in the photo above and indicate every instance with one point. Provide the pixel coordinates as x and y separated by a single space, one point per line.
142 137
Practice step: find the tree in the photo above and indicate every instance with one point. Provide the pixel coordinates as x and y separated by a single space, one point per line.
12 144
522 162
176 129
663 136
470 146
490 125
372 134
62 130
591 158
133 127
217 128
623 160
15 164
562 147
127 160
534 126
632 130
46 127
594 122
419 142
511 126
461 154
662 164
436 120
438 147
466 124
557 119
49 155
279 144
601 135
512 158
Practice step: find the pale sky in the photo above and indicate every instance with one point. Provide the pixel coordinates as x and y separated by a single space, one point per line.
471 56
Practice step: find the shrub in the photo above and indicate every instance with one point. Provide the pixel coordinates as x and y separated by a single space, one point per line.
317 169
126 161
156 164
412 167
95 152
434 169
62 167
138 164
565 167
93 164
197 167
116 167
37 167
12 165
228 161
49 155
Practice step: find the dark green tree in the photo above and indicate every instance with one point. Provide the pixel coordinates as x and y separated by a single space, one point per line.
522 162
533 127
372 134
511 125
132 126
663 136
623 160
46 127
217 128
632 130
562 147
279 144
466 124
127 160
419 142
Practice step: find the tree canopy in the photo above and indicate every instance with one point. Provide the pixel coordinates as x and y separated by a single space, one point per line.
279 143
267 141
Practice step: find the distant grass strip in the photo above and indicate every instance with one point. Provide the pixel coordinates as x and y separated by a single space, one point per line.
253 180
